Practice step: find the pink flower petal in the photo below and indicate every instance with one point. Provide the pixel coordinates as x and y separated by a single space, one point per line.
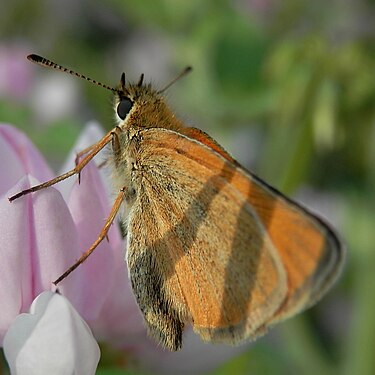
55 241
120 321
19 157
52 339
36 246
90 208
15 276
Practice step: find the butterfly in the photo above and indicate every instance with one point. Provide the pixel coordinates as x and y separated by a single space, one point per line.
208 243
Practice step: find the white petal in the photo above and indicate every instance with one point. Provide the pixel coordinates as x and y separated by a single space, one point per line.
52 339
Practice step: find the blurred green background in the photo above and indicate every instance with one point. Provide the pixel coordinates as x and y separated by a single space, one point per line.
287 87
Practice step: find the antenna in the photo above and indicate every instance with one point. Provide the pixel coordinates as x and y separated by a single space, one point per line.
50 64
187 70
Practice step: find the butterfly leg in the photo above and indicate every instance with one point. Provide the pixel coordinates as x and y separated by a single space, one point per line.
103 234
76 170
82 153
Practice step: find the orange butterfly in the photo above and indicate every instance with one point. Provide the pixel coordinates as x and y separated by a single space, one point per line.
209 243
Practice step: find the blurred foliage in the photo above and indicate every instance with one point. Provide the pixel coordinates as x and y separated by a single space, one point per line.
296 77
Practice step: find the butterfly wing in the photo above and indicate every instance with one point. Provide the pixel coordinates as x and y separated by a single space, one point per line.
310 251
203 245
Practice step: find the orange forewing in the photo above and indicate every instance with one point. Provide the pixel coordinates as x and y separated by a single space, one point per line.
249 263
310 251
217 264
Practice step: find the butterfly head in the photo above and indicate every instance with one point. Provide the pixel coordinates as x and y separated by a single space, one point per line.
137 104
140 105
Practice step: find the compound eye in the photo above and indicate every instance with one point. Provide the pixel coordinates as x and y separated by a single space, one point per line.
124 107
